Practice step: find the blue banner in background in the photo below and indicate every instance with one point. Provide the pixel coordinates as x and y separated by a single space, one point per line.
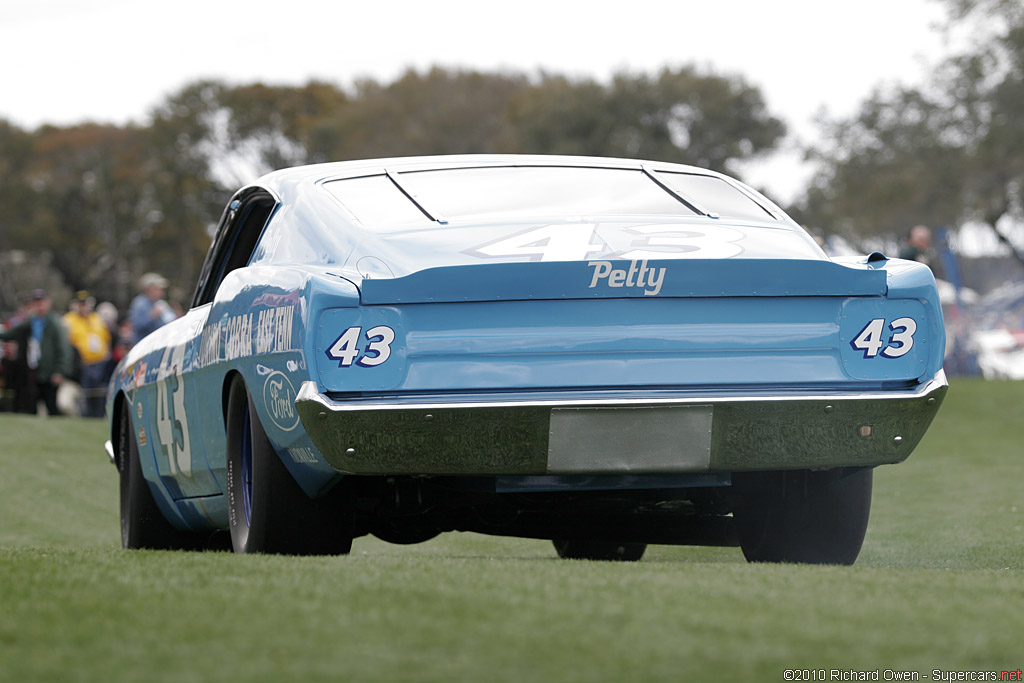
950 264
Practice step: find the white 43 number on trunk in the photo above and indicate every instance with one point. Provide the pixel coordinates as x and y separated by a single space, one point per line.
872 341
348 348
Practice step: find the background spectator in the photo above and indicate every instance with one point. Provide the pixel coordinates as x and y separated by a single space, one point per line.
43 339
124 343
19 392
108 312
91 339
148 310
919 241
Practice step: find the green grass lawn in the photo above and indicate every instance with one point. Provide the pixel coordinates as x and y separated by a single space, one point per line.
939 585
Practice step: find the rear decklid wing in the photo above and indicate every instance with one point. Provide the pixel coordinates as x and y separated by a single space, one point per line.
624 279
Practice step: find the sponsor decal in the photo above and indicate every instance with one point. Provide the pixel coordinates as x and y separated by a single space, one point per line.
140 374
142 436
274 329
638 275
238 337
266 331
209 346
197 322
279 397
302 455
274 300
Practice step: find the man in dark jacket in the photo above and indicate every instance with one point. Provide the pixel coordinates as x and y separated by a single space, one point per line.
21 392
44 346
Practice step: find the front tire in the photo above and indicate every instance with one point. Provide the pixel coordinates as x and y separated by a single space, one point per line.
267 510
802 516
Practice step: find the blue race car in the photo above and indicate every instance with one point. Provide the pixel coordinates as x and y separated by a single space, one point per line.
603 353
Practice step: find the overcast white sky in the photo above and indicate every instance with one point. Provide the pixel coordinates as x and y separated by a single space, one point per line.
67 61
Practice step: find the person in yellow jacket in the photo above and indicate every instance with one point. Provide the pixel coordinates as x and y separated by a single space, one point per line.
90 337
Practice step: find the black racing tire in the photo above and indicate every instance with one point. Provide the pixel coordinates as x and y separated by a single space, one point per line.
267 510
599 550
802 516
142 523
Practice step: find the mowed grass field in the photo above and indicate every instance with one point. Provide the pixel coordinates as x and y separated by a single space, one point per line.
939 585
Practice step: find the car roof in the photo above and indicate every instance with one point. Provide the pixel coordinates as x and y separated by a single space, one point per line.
285 181
318 227
342 168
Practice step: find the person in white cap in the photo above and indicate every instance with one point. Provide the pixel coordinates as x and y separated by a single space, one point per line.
148 310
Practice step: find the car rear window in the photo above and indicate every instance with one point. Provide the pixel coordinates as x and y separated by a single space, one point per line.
515 192
715 195
376 201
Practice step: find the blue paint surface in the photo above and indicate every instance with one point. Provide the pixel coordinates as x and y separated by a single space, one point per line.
769 313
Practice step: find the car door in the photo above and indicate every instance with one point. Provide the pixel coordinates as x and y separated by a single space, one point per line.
209 356
179 392
174 411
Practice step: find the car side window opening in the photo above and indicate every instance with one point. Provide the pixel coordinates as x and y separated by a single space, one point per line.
235 243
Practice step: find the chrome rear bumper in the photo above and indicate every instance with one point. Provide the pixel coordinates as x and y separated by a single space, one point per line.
673 434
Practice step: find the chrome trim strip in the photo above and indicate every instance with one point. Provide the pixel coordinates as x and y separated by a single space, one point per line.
309 392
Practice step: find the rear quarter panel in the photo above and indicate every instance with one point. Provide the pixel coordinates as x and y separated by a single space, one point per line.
174 382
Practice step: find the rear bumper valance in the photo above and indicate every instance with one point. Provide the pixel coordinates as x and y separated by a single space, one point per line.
622 435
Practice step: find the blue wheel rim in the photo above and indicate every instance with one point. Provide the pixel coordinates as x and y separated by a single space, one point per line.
246 465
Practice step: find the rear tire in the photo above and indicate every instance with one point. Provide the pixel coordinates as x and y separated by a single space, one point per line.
267 510
142 523
802 516
599 550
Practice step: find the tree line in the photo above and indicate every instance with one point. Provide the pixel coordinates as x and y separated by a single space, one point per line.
110 202
946 152
107 203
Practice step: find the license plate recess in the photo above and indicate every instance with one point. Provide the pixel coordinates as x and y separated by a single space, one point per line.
630 439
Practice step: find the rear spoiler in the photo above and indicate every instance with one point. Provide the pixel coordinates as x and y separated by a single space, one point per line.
626 279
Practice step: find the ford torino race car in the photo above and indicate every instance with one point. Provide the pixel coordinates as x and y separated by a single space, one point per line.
603 353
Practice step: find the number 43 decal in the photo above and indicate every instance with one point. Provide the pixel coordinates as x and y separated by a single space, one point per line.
347 348
870 339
